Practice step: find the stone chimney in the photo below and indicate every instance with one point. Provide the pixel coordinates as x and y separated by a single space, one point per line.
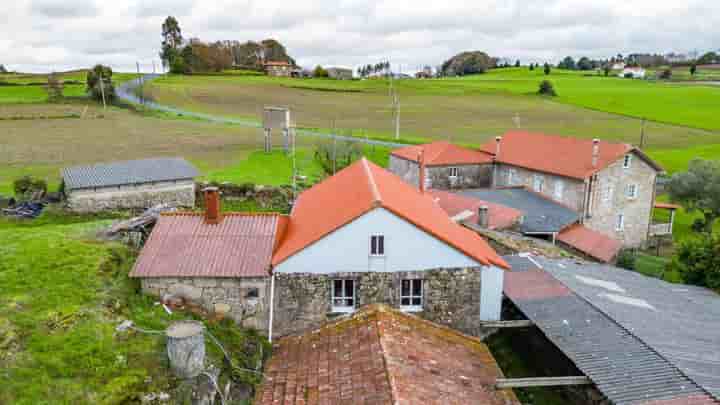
595 152
212 205
497 146
483 216
421 170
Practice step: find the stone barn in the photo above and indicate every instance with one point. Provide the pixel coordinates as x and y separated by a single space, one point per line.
130 184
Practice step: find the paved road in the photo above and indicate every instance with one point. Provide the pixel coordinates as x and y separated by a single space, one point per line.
126 92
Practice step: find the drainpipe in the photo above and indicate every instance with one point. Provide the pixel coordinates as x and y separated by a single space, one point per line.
272 307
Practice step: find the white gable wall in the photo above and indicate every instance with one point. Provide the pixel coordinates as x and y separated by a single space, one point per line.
347 249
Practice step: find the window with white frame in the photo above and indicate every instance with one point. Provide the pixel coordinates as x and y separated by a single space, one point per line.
454 172
607 191
411 295
538 183
512 177
620 223
377 245
559 189
343 295
631 190
627 161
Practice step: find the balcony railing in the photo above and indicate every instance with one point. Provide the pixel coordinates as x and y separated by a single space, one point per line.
660 229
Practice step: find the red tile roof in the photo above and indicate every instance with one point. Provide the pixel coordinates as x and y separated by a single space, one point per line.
183 245
590 242
276 63
360 188
382 356
500 216
442 153
667 206
564 156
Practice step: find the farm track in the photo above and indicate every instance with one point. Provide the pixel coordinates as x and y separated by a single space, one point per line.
126 92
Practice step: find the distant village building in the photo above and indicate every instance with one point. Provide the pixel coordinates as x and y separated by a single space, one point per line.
362 236
130 184
340 73
278 69
633 73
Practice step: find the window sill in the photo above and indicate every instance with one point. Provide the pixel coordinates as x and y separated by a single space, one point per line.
411 308
342 310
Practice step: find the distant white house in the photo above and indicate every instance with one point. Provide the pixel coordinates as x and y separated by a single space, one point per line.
633 72
618 66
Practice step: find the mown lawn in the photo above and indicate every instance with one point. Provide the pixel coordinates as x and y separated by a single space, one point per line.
63 293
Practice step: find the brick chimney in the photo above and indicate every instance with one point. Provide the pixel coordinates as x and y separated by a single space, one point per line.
497 146
421 170
483 216
212 205
595 152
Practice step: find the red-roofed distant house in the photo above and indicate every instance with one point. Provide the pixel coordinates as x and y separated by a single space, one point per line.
610 185
362 236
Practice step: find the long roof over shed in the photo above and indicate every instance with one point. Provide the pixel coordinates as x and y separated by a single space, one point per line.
380 355
637 347
128 172
442 153
183 245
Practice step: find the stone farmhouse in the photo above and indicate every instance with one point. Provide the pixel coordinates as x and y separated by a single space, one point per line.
609 186
131 184
278 69
362 236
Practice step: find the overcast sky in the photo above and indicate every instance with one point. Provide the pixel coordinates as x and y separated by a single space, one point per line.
45 35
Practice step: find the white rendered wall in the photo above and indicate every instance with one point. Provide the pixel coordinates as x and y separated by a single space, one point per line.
347 249
491 290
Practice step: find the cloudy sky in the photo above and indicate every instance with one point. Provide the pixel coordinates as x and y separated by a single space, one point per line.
45 35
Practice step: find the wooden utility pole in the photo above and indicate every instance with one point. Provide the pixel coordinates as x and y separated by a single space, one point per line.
102 89
334 148
396 105
642 134
142 89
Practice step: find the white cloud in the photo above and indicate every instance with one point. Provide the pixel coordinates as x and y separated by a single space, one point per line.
78 33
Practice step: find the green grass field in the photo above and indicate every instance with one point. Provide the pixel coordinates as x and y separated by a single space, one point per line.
29 88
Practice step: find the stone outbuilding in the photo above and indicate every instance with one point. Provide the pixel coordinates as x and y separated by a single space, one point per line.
135 184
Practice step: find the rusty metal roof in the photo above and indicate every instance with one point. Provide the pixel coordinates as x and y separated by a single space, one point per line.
183 245
380 355
625 367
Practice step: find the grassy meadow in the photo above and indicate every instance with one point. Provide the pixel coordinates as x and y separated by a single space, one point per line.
24 88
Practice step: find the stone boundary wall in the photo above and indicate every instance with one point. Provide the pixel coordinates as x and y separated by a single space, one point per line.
451 297
234 297
177 193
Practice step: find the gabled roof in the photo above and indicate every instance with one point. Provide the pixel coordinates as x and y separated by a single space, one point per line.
128 172
382 356
183 245
590 242
441 153
459 206
360 188
561 155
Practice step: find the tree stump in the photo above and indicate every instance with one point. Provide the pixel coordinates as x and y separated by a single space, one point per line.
186 348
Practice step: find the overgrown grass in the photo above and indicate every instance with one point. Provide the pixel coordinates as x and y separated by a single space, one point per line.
63 293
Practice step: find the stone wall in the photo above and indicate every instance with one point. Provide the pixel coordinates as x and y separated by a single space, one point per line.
573 190
609 199
469 176
244 299
450 297
177 193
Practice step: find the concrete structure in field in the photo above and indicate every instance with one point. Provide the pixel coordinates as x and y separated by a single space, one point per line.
129 185
360 237
340 73
610 186
277 119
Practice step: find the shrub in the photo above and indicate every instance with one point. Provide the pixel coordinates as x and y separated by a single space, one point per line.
666 74
697 260
99 83
626 259
547 89
27 185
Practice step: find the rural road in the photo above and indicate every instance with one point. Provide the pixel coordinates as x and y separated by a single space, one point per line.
126 92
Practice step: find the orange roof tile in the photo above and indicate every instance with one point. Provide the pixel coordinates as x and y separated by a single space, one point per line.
590 242
382 356
565 156
184 245
442 153
500 216
362 187
667 206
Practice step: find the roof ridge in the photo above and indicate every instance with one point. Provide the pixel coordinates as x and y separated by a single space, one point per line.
377 198
227 214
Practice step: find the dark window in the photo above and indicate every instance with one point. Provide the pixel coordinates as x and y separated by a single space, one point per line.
377 245
411 295
343 295
252 293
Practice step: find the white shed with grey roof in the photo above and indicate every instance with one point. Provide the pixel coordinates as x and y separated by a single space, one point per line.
130 184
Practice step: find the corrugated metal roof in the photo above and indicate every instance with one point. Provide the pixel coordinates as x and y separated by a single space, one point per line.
622 365
541 214
681 322
128 172
183 245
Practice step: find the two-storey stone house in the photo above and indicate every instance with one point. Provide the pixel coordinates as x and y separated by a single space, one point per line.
610 185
